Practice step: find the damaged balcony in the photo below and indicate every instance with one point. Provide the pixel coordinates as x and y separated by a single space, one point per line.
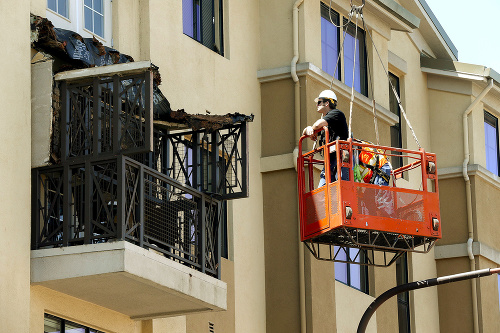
129 213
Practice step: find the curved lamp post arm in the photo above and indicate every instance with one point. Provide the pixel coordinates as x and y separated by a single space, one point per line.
419 285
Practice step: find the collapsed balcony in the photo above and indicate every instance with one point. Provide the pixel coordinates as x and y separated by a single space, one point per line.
143 193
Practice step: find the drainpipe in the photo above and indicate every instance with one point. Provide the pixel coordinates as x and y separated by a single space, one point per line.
470 226
293 71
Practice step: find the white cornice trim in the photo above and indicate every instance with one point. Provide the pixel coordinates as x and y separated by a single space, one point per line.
460 250
276 163
472 170
121 69
453 74
308 69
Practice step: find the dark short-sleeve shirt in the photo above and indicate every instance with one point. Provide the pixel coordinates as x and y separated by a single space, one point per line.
337 125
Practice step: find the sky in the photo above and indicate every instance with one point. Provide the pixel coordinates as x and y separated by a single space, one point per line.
473 27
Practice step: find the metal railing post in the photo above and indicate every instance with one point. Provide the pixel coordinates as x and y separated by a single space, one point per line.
140 193
121 198
203 233
88 192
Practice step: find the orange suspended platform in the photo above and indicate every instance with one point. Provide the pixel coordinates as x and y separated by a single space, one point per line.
346 214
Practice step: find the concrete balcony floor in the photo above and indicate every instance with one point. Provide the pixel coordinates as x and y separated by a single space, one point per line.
128 279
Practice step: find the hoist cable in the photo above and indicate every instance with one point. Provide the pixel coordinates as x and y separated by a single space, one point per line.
374 109
343 39
393 88
353 76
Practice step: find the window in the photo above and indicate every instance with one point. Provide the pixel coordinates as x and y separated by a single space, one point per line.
491 142
202 21
59 6
403 298
93 13
331 41
353 275
53 324
88 18
396 137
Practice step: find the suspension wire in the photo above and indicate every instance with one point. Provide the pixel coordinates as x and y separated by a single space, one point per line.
344 27
393 88
353 76
374 109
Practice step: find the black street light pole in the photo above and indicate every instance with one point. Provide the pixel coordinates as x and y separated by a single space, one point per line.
419 285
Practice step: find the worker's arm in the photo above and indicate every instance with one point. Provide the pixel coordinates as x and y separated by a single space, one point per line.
309 130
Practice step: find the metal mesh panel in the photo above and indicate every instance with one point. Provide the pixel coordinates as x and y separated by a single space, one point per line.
315 207
170 221
334 203
391 204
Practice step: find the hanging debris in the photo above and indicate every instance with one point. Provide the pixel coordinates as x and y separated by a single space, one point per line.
77 52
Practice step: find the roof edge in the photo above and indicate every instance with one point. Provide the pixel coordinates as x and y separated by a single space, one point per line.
400 12
459 67
439 27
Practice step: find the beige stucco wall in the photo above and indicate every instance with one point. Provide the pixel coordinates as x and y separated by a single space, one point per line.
455 302
488 294
44 300
223 321
351 304
15 166
198 80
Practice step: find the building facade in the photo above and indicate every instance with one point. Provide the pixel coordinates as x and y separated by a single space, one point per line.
269 59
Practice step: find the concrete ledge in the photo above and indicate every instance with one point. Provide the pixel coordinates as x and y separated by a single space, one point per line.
460 250
128 279
341 89
122 69
276 162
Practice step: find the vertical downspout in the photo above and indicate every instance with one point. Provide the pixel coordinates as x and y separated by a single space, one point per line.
468 195
293 71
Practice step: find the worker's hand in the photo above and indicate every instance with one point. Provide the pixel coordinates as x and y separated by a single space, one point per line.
309 131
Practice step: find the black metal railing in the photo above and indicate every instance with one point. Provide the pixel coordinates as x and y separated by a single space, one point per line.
211 162
105 116
102 200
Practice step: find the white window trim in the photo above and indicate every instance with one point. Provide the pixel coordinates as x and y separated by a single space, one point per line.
76 22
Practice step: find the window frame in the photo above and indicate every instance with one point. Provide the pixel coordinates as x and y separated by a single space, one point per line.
94 11
362 56
395 109
63 322
56 11
76 20
350 270
491 120
403 299
201 25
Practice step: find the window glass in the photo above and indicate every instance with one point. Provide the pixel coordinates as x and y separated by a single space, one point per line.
59 6
53 324
353 275
340 267
202 21
403 298
396 137
94 16
354 52
329 42
491 142
498 281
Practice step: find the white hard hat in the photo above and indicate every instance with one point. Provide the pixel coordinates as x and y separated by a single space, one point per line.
328 94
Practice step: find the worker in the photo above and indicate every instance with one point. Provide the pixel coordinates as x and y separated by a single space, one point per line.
337 128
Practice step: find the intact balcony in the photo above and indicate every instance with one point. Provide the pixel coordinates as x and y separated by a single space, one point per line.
130 216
